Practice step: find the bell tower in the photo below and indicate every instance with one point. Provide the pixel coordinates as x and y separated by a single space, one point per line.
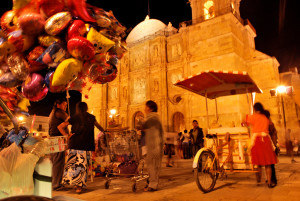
206 9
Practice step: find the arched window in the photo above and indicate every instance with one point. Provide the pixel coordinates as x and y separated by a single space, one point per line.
209 10
178 122
138 116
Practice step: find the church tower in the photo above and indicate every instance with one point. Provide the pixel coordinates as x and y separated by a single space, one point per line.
207 9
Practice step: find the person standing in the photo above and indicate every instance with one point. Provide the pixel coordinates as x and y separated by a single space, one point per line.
154 138
273 135
197 137
57 116
262 151
81 141
185 144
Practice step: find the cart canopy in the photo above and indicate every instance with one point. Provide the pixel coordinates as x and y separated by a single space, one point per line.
219 83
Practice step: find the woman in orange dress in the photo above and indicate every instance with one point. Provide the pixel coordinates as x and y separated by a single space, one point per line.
262 150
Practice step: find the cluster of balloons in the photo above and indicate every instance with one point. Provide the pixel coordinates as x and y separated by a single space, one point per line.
58 45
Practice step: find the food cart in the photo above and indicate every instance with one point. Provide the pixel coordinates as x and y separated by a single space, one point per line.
226 148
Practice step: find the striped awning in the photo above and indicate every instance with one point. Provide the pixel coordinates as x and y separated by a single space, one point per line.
219 83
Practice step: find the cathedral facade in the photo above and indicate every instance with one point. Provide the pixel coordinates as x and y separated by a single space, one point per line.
159 55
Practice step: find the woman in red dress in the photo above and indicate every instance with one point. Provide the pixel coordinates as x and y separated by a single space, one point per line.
262 150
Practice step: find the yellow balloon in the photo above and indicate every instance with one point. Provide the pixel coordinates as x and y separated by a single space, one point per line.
100 42
66 72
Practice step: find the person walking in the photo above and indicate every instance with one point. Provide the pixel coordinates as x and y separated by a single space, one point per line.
154 138
262 151
81 142
57 116
197 137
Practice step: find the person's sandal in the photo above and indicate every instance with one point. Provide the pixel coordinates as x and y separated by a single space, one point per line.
78 189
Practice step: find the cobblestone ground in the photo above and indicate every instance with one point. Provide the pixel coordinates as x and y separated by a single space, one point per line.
177 183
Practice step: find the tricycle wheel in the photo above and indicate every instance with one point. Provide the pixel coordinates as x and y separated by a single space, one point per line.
206 171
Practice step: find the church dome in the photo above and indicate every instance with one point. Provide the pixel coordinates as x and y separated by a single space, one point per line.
144 29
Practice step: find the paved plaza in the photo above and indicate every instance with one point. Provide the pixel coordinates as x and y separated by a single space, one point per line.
177 183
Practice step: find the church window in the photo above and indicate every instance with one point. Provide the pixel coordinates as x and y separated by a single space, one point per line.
209 10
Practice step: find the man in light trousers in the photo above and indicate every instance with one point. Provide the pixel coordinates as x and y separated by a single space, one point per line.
154 144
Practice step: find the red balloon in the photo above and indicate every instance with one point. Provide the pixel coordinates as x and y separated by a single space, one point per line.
35 54
77 28
41 95
31 23
8 21
50 7
102 73
33 85
81 48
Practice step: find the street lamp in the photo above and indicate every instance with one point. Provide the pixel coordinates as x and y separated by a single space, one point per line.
283 90
112 114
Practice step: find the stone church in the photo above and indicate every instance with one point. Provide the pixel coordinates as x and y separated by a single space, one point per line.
216 38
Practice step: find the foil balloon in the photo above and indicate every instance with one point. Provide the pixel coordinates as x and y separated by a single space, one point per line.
66 72
34 87
23 104
9 21
58 22
31 23
41 95
100 42
79 9
102 73
20 41
50 7
6 48
56 89
81 48
18 4
77 28
115 24
113 60
119 49
46 40
47 78
100 16
18 66
77 85
9 80
53 55
35 54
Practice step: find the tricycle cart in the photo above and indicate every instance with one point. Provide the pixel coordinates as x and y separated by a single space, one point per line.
225 148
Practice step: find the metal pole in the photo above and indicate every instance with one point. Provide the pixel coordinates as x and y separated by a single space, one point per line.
217 115
283 111
10 115
206 110
249 106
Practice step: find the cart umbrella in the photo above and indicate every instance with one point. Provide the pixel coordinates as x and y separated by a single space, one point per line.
213 84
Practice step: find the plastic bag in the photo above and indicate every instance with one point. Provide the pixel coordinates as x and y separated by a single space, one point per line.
22 175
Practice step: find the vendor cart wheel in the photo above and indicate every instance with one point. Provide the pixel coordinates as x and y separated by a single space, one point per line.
106 184
206 172
134 187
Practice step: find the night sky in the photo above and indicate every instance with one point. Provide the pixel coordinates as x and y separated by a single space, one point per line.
264 15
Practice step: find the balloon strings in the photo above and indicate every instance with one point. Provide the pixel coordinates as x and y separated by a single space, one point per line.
68 96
